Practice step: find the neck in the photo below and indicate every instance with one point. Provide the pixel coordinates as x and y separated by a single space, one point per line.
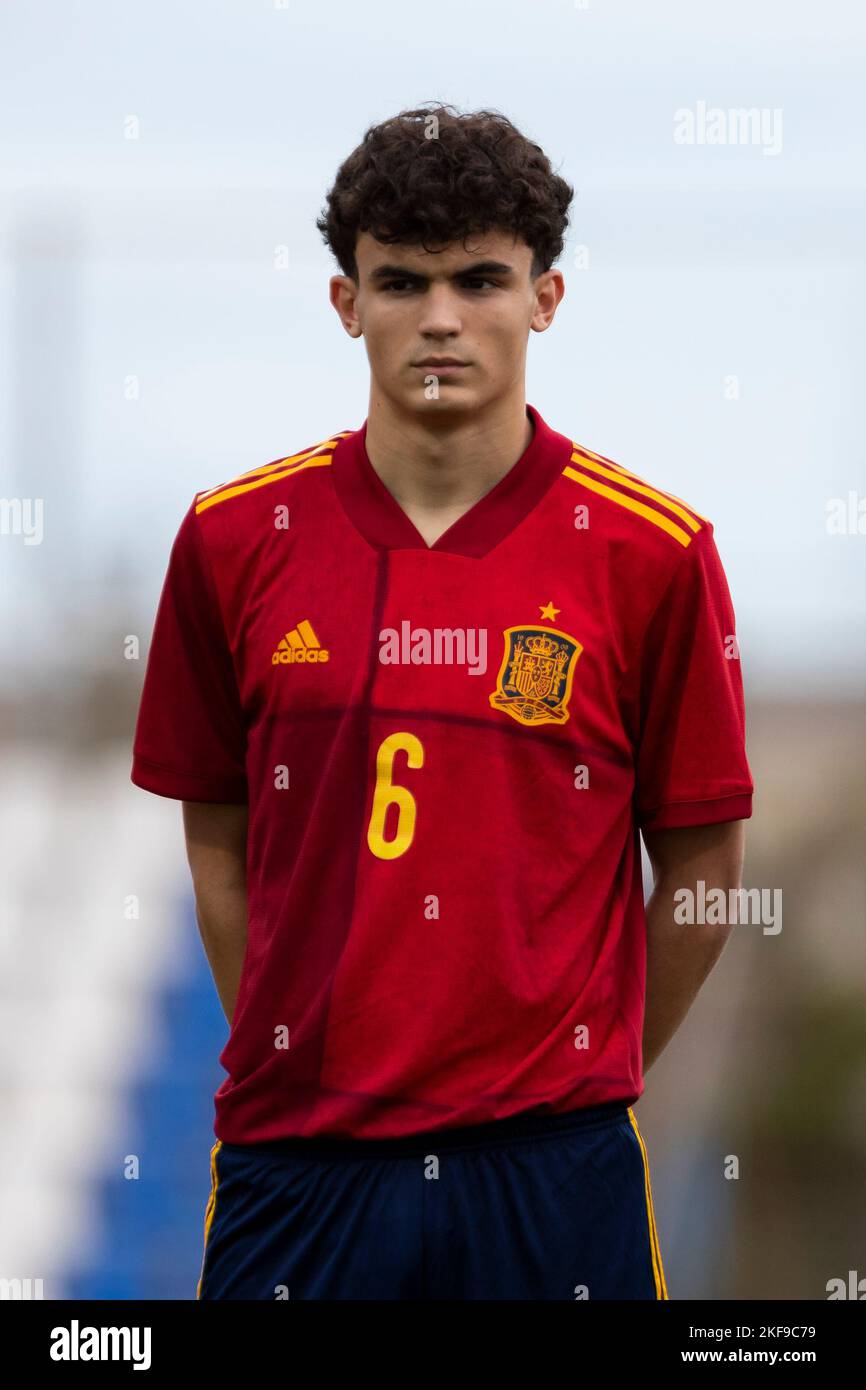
437 465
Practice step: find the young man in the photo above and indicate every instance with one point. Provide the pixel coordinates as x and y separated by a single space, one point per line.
420 686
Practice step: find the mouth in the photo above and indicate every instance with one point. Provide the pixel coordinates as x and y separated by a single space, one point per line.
441 364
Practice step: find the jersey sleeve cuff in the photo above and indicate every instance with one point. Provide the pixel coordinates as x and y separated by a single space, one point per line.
674 815
186 786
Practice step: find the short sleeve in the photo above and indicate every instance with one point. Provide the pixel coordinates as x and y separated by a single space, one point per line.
691 756
190 736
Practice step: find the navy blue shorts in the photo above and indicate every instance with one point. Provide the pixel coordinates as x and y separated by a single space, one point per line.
537 1206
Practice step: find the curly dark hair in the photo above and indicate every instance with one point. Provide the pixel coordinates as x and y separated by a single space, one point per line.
477 173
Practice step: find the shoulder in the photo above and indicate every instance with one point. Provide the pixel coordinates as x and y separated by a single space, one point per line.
624 506
266 482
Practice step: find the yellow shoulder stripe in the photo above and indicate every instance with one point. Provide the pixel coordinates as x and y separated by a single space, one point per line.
270 473
317 461
279 463
626 473
665 498
631 503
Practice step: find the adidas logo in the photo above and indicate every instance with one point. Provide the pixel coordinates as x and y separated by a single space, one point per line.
301 644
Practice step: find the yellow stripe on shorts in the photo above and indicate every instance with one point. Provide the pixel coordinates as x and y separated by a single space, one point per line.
209 1211
658 1268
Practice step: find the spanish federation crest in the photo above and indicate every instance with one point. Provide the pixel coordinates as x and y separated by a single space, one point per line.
534 681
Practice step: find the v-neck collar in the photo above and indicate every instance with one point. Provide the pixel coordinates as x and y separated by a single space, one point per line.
382 522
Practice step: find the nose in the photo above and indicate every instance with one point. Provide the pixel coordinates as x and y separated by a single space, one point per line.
440 317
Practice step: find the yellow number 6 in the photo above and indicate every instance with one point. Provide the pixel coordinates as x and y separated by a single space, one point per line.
387 794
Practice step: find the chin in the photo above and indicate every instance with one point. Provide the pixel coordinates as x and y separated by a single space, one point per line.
450 395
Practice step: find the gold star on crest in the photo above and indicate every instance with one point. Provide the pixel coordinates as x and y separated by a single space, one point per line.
548 611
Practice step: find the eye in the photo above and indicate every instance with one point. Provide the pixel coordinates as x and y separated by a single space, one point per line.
472 282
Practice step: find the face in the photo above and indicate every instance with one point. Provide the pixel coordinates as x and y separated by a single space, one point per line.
446 330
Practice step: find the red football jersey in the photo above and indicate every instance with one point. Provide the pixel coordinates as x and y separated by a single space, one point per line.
448 752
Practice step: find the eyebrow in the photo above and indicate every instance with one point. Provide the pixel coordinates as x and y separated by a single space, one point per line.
395 272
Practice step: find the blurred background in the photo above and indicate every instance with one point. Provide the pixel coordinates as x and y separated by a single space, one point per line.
165 326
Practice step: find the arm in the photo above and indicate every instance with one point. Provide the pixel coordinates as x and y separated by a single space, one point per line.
216 847
681 956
